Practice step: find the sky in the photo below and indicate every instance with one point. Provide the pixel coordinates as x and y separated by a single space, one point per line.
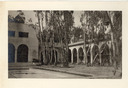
77 15
31 14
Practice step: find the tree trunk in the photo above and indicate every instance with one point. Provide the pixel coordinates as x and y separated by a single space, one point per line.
113 45
85 53
51 56
116 57
66 64
40 39
117 47
39 53
66 56
112 34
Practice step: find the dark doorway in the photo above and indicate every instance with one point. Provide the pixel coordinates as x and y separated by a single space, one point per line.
22 53
11 53
81 54
69 56
105 57
74 55
56 55
53 57
42 59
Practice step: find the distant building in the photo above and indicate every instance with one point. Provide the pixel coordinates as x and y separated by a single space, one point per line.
22 43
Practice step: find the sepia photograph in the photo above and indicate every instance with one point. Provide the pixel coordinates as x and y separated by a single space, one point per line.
65 44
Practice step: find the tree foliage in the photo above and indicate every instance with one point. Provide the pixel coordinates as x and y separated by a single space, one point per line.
57 30
61 22
76 34
20 18
104 25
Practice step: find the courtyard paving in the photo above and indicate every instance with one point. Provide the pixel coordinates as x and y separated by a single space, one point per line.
95 72
83 70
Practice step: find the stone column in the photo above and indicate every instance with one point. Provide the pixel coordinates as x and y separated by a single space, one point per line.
91 52
15 55
85 55
77 56
110 57
30 57
72 56
57 57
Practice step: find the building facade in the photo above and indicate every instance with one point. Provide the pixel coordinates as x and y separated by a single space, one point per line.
97 54
22 43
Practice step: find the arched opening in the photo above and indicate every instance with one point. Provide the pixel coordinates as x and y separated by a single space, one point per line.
88 55
22 53
11 53
96 59
105 56
53 57
42 58
56 54
81 54
69 56
74 55
47 56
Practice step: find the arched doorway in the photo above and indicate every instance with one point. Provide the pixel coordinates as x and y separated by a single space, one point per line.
74 55
46 58
53 57
95 52
105 57
22 53
11 53
42 58
69 56
81 54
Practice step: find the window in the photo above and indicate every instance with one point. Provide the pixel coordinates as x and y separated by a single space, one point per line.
11 33
23 34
